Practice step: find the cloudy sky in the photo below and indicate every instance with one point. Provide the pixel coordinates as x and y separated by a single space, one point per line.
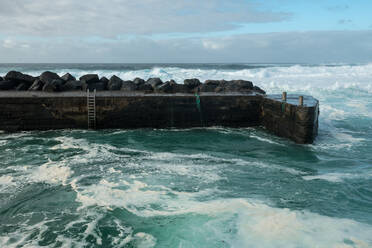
217 31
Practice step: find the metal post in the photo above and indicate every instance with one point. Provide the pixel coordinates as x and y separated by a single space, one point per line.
301 101
284 96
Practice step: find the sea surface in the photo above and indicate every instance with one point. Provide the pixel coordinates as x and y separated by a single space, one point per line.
201 187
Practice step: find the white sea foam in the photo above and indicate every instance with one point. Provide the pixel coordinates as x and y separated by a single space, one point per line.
255 222
144 240
11 136
66 143
52 172
296 77
20 238
345 137
6 180
338 139
6 184
268 166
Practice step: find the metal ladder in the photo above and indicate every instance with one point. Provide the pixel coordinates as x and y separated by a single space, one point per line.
91 106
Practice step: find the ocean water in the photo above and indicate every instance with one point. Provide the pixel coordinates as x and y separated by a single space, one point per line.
202 187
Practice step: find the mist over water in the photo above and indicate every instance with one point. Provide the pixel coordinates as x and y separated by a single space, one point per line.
202 187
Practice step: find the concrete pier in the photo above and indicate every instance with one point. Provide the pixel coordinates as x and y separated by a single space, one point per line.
38 110
289 119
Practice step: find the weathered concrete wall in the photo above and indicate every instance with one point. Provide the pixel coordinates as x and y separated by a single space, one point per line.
44 111
288 119
161 111
53 111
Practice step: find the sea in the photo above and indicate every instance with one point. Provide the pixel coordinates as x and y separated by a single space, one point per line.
200 187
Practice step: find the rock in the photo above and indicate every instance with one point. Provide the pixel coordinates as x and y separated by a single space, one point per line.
154 82
138 81
8 85
37 85
180 88
68 77
128 86
219 89
104 80
172 87
99 86
192 83
145 87
114 83
1 79
49 87
89 78
164 88
242 84
212 82
237 86
54 86
22 86
259 90
19 77
210 87
226 86
72 86
47 77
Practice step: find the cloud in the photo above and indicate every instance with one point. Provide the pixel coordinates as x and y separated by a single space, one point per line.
345 21
296 47
110 18
8 43
214 45
337 8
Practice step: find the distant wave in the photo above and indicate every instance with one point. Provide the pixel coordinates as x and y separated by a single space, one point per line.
273 77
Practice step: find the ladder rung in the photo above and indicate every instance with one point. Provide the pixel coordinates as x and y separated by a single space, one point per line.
91 106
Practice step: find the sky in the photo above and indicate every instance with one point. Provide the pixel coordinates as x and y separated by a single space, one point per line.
189 31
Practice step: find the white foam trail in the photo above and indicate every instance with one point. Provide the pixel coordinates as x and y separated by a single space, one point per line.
337 177
331 177
265 140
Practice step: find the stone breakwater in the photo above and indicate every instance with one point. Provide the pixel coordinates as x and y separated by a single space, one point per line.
52 82
53 102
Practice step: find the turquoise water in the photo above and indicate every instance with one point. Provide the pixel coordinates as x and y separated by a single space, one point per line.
202 187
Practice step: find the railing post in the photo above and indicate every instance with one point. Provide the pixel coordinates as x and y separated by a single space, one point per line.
301 100
284 96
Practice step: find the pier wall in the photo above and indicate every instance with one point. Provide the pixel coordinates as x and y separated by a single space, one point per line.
45 111
128 111
289 120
